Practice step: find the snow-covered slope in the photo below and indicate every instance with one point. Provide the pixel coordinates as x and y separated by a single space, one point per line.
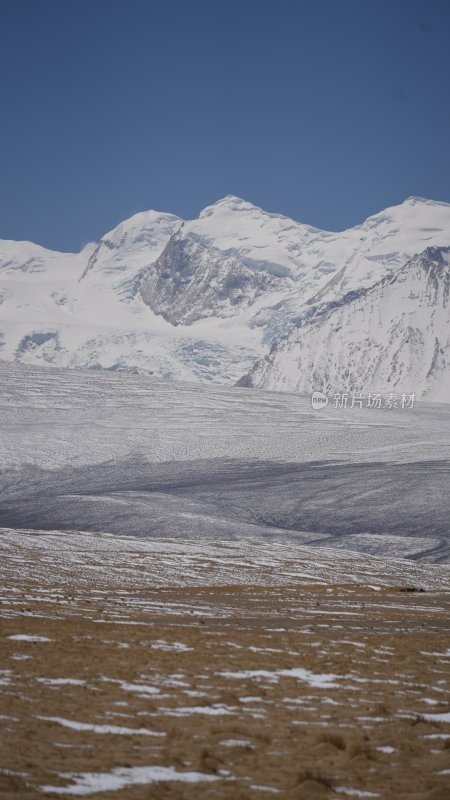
99 451
222 262
121 255
261 240
197 300
336 264
25 261
236 253
394 336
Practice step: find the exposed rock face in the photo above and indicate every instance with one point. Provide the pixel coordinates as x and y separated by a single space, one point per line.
190 281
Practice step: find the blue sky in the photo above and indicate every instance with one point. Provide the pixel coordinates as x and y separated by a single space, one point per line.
324 110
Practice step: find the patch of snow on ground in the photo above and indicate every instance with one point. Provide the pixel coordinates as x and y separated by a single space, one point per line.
354 792
23 637
61 681
322 681
92 728
215 710
177 646
91 782
444 717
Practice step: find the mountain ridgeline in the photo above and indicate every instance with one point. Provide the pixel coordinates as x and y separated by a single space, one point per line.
243 295
392 336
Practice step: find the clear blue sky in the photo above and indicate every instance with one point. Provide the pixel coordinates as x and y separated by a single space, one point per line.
324 110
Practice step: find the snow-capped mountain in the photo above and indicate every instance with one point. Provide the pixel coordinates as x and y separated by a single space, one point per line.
235 253
221 263
358 257
191 281
393 336
201 299
122 254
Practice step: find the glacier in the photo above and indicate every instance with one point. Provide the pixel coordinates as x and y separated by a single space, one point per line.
132 454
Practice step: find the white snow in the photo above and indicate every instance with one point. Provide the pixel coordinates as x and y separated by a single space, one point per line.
179 647
141 688
85 783
394 338
354 792
95 728
24 637
61 681
316 680
442 717
92 442
236 743
5 677
216 710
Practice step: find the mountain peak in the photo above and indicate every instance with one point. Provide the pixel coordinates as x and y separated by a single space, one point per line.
140 221
230 203
414 200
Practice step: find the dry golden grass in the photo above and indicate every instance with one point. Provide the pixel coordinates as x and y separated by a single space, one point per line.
159 660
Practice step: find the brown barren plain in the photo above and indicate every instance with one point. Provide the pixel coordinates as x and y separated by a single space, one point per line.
141 670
